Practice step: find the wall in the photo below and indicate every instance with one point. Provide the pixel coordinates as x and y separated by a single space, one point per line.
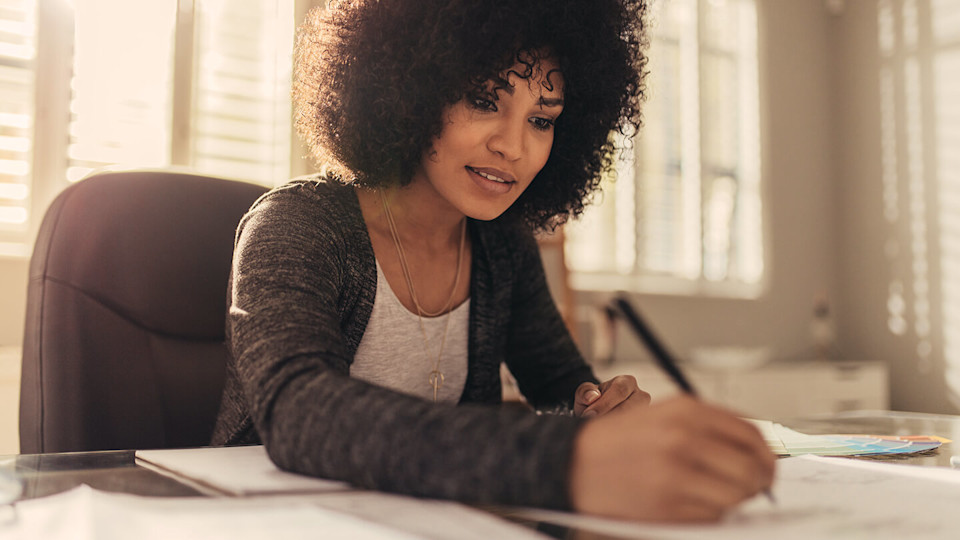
868 263
13 281
13 297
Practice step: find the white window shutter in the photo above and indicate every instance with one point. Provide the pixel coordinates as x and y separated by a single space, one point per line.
241 93
18 28
122 84
684 214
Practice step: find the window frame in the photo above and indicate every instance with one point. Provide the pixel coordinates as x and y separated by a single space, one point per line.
641 279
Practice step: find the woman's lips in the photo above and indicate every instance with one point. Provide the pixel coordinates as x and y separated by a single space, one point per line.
492 180
493 174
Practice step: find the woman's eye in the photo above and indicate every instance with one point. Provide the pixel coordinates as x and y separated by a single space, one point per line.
483 104
543 124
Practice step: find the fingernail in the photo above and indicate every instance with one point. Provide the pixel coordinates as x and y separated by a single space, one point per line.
588 414
592 396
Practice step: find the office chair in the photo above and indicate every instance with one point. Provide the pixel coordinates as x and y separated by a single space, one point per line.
123 346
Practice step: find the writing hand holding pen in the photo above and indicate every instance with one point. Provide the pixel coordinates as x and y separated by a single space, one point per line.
678 460
664 359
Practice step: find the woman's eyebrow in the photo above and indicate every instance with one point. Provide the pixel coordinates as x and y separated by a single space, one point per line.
551 102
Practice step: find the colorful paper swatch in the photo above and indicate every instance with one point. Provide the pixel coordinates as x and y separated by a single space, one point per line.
784 441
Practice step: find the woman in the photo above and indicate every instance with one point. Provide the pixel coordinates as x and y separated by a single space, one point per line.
372 305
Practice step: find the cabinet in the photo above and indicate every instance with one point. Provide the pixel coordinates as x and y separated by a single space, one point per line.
775 390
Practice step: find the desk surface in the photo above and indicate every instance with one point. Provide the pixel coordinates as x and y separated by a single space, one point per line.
889 423
47 474
116 471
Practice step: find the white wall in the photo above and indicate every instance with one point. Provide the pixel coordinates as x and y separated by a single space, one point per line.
13 297
867 269
13 281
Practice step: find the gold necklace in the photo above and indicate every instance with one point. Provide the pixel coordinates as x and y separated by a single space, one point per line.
436 376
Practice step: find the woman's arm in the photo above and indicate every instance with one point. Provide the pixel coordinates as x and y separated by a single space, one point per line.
290 278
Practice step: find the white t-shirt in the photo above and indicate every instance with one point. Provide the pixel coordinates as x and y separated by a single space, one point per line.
392 352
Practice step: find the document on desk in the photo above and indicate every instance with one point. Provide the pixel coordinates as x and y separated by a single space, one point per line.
822 498
247 472
84 513
233 470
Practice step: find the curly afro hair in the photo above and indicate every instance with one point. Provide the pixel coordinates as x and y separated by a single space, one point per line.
373 77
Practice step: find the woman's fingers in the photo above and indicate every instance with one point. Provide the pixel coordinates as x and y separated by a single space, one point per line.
618 391
739 471
737 433
585 395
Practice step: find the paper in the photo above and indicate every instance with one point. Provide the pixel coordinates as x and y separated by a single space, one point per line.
246 470
784 441
234 470
820 498
84 513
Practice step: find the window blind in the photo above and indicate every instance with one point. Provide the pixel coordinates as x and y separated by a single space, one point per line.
17 60
682 214
241 109
122 84
202 84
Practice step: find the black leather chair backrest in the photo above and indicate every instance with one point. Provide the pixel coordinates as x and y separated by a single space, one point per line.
123 345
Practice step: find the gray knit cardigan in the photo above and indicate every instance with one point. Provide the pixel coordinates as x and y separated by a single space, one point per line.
302 288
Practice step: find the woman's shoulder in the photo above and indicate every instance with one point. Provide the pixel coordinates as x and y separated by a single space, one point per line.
315 191
313 198
314 209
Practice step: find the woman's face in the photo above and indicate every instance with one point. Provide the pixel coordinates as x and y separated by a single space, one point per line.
493 144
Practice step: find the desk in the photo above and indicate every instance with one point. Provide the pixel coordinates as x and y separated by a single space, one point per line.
47 474
117 471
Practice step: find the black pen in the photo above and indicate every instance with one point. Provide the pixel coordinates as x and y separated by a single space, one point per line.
660 354
664 359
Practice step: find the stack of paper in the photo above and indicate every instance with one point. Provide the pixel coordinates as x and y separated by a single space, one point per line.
248 473
784 441
234 470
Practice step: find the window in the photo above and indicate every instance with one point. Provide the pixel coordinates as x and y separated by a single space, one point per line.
203 84
17 62
683 214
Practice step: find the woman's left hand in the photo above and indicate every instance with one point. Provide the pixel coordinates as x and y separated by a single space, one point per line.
620 391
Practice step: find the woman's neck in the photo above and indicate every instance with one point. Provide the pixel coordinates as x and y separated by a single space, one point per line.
429 252
421 215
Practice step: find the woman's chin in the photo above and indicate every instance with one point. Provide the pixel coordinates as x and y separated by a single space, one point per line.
486 213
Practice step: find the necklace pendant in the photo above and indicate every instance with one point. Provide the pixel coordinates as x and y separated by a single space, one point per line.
436 381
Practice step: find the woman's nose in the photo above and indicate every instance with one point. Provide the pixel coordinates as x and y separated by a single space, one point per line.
507 140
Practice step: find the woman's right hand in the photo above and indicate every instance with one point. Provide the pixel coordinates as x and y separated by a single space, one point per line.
678 460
